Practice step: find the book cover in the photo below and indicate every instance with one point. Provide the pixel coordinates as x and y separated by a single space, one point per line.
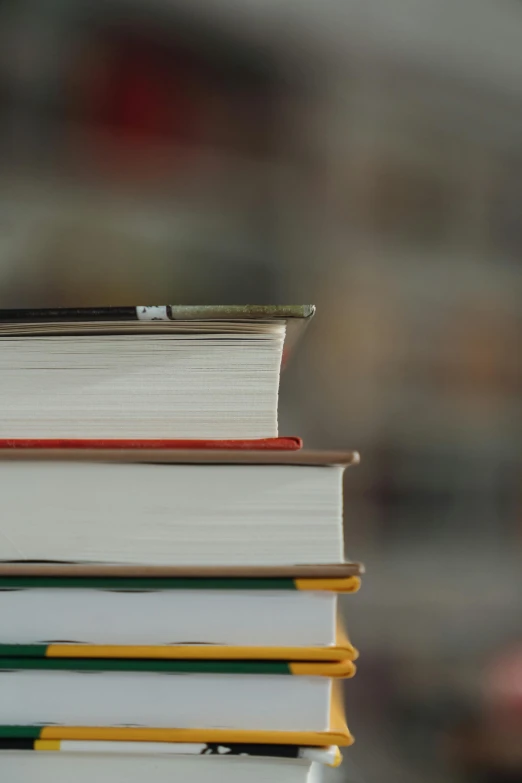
337 577
191 456
289 443
36 658
75 577
338 734
157 313
338 653
153 318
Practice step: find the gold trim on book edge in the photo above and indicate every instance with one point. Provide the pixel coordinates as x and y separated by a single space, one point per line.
350 584
335 736
343 650
47 744
337 669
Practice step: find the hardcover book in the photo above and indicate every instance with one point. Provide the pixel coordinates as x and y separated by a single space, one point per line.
160 507
223 617
183 701
146 372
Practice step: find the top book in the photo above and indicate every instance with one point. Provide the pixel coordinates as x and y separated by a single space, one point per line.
145 372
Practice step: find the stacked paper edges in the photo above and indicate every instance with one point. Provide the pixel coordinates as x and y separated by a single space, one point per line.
124 669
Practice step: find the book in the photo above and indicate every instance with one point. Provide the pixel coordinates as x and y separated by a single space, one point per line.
145 372
237 696
173 507
134 762
222 617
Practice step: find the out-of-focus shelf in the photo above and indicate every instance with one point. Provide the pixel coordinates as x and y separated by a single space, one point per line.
160 171
203 197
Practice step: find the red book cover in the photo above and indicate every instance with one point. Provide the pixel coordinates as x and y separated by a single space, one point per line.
258 444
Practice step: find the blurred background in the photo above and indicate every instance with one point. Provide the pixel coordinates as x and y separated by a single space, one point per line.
363 156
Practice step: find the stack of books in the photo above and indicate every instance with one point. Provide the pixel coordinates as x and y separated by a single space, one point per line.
169 566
